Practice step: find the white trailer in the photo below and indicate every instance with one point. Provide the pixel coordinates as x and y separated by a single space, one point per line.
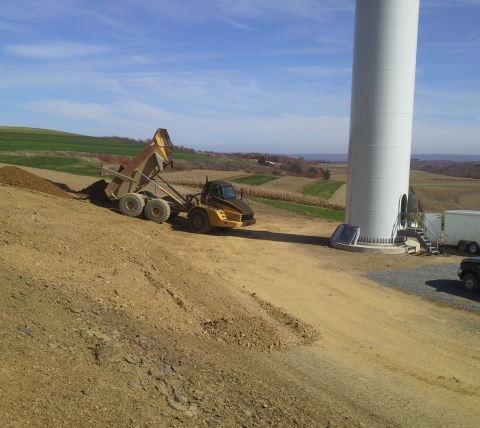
462 229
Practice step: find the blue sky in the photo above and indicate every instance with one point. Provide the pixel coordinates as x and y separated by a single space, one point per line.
226 75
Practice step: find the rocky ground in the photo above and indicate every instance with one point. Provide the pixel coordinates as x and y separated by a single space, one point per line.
111 321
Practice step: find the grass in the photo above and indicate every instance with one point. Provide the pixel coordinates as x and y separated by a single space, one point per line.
323 189
26 139
78 166
324 213
254 180
187 157
39 140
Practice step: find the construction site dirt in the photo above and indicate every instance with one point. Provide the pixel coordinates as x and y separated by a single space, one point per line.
107 320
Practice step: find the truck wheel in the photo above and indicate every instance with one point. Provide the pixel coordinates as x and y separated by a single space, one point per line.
470 282
462 246
157 210
473 248
132 204
199 222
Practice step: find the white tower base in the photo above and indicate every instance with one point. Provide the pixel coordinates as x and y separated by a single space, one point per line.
409 247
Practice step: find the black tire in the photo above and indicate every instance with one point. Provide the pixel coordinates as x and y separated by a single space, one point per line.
473 248
462 246
132 204
470 282
199 222
157 210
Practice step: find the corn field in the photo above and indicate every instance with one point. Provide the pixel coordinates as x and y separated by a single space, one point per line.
266 193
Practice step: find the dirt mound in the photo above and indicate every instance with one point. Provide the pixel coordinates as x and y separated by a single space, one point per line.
95 192
111 321
17 177
258 334
123 321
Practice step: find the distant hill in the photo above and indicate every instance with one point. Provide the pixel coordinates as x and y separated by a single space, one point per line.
450 157
344 157
319 156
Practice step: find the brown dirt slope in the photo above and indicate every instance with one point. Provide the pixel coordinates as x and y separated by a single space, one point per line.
107 320
14 176
102 326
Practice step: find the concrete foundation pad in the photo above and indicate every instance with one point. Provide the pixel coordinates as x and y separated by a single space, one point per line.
407 247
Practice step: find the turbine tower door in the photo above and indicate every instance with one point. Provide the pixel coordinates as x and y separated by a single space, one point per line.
412 209
403 211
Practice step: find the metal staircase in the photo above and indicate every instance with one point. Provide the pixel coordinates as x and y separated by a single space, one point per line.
422 229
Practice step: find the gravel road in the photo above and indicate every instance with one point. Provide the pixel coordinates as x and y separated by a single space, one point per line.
438 283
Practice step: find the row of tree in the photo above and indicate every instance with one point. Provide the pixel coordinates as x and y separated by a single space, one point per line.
298 166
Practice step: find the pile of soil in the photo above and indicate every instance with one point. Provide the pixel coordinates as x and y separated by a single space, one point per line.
17 177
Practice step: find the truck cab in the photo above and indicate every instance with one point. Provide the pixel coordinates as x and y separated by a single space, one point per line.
222 195
469 273
218 206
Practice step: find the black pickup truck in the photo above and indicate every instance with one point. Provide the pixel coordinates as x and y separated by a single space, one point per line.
469 273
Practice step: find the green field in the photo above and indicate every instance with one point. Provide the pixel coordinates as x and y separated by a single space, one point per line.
187 157
306 210
254 180
78 166
323 189
39 140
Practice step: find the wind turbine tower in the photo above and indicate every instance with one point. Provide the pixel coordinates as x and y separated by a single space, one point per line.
381 118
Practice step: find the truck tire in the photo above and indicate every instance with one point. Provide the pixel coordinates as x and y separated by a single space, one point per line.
199 222
157 210
132 204
473 248
462 246
470 282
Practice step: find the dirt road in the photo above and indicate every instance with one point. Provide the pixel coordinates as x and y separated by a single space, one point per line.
113 321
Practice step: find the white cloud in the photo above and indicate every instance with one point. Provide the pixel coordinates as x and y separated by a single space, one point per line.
71 110
286 133
55 51
319 71
445 136
453 102
283 78
238 25
202 11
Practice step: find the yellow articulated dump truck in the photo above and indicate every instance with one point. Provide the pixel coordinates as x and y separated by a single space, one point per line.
217 205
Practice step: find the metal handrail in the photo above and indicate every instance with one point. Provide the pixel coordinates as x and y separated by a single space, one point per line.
428 228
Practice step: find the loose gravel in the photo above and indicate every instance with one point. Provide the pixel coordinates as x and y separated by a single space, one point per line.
439 283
